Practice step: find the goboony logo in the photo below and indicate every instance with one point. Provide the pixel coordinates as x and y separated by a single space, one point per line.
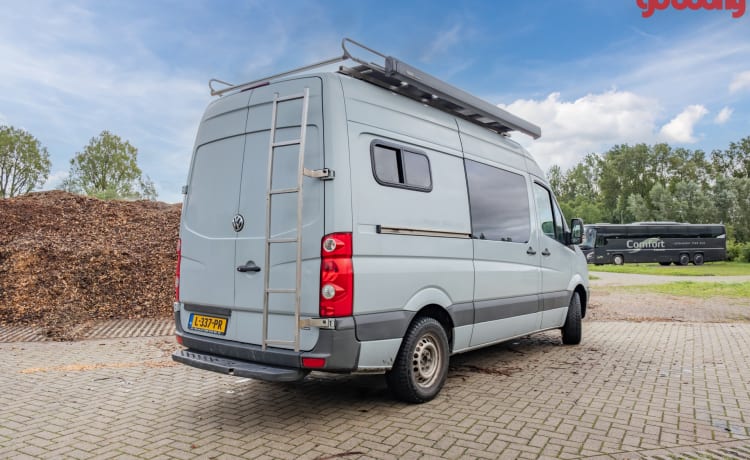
737 7
650 243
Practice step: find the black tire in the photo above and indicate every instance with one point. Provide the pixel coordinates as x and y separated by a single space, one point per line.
698 259
664 264
684 259
421 366
618 259
572 329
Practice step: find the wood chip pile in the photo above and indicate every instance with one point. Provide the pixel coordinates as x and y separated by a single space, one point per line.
66 260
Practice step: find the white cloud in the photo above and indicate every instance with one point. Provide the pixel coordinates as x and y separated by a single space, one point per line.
444 41
680 128
723 116
740 81
54 180
64 84
593 123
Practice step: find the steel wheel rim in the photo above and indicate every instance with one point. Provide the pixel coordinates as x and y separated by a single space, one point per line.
426 361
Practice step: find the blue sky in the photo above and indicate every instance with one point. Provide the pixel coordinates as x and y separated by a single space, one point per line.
591 73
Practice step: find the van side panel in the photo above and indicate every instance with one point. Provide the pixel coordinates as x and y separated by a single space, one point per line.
507 277
391 269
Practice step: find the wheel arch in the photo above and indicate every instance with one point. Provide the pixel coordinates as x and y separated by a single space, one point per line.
583 295
442 316
434 303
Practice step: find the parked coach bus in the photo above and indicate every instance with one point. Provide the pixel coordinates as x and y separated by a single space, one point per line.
662 242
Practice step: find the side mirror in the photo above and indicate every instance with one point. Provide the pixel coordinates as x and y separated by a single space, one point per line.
576 231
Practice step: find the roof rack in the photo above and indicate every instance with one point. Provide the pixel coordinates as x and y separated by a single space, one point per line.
401 78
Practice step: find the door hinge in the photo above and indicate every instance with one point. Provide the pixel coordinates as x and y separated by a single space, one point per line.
320 323
322 174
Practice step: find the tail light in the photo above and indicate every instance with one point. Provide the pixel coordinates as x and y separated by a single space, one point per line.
177 271
336 275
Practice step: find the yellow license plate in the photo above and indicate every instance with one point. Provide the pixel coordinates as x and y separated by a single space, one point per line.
210 324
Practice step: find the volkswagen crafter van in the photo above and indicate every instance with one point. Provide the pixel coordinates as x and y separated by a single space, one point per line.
369 220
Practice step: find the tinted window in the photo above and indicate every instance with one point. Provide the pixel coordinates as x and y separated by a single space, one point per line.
386 164
544 210
499 204
396 167
417 169
550 216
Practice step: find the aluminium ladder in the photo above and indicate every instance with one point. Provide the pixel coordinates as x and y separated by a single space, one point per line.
297 238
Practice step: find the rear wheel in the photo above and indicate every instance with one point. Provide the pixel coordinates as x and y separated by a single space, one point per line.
698 259
571 330
684 259
618 259
421 366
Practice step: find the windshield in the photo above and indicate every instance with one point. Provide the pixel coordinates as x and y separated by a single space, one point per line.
589 236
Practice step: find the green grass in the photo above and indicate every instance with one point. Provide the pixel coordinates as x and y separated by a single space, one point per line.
693 289
594 277
709 269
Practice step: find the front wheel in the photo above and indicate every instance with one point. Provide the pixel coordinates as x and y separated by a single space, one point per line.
571 330
618 259
421 366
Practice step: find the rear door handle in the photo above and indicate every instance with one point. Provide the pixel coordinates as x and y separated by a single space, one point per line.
530 251
546 252
248 267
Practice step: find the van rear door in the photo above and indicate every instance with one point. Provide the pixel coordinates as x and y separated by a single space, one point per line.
251 244
224 226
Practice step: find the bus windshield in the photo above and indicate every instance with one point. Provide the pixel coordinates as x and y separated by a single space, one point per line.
589 236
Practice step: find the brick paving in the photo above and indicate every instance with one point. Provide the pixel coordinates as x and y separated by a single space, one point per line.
630 390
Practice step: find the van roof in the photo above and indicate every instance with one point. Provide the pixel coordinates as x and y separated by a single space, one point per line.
408 81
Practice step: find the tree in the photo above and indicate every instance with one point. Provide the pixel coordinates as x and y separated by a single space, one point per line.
556 180
734 161
24 162
638 207
663 203
108 168
691 203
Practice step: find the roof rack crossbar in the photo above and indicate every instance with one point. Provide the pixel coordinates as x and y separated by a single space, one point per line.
403 79
344 57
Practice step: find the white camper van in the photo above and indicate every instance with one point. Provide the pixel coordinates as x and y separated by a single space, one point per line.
369 220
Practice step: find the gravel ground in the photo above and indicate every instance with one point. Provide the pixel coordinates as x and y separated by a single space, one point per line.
611 304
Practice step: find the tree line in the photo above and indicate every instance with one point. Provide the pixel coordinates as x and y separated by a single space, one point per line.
660 183
107 167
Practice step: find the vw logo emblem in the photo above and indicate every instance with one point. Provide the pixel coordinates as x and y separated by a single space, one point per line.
238 222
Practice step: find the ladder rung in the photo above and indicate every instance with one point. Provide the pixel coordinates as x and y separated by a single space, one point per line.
281 291
284 190
280 342
282 240
285 143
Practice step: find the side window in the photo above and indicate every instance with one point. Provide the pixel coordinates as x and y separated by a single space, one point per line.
499 204
550 216
544 210
395 166
560 225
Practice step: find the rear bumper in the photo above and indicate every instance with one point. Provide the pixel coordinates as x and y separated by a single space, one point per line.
239 368
339 347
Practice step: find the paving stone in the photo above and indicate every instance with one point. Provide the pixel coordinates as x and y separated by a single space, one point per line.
627 390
